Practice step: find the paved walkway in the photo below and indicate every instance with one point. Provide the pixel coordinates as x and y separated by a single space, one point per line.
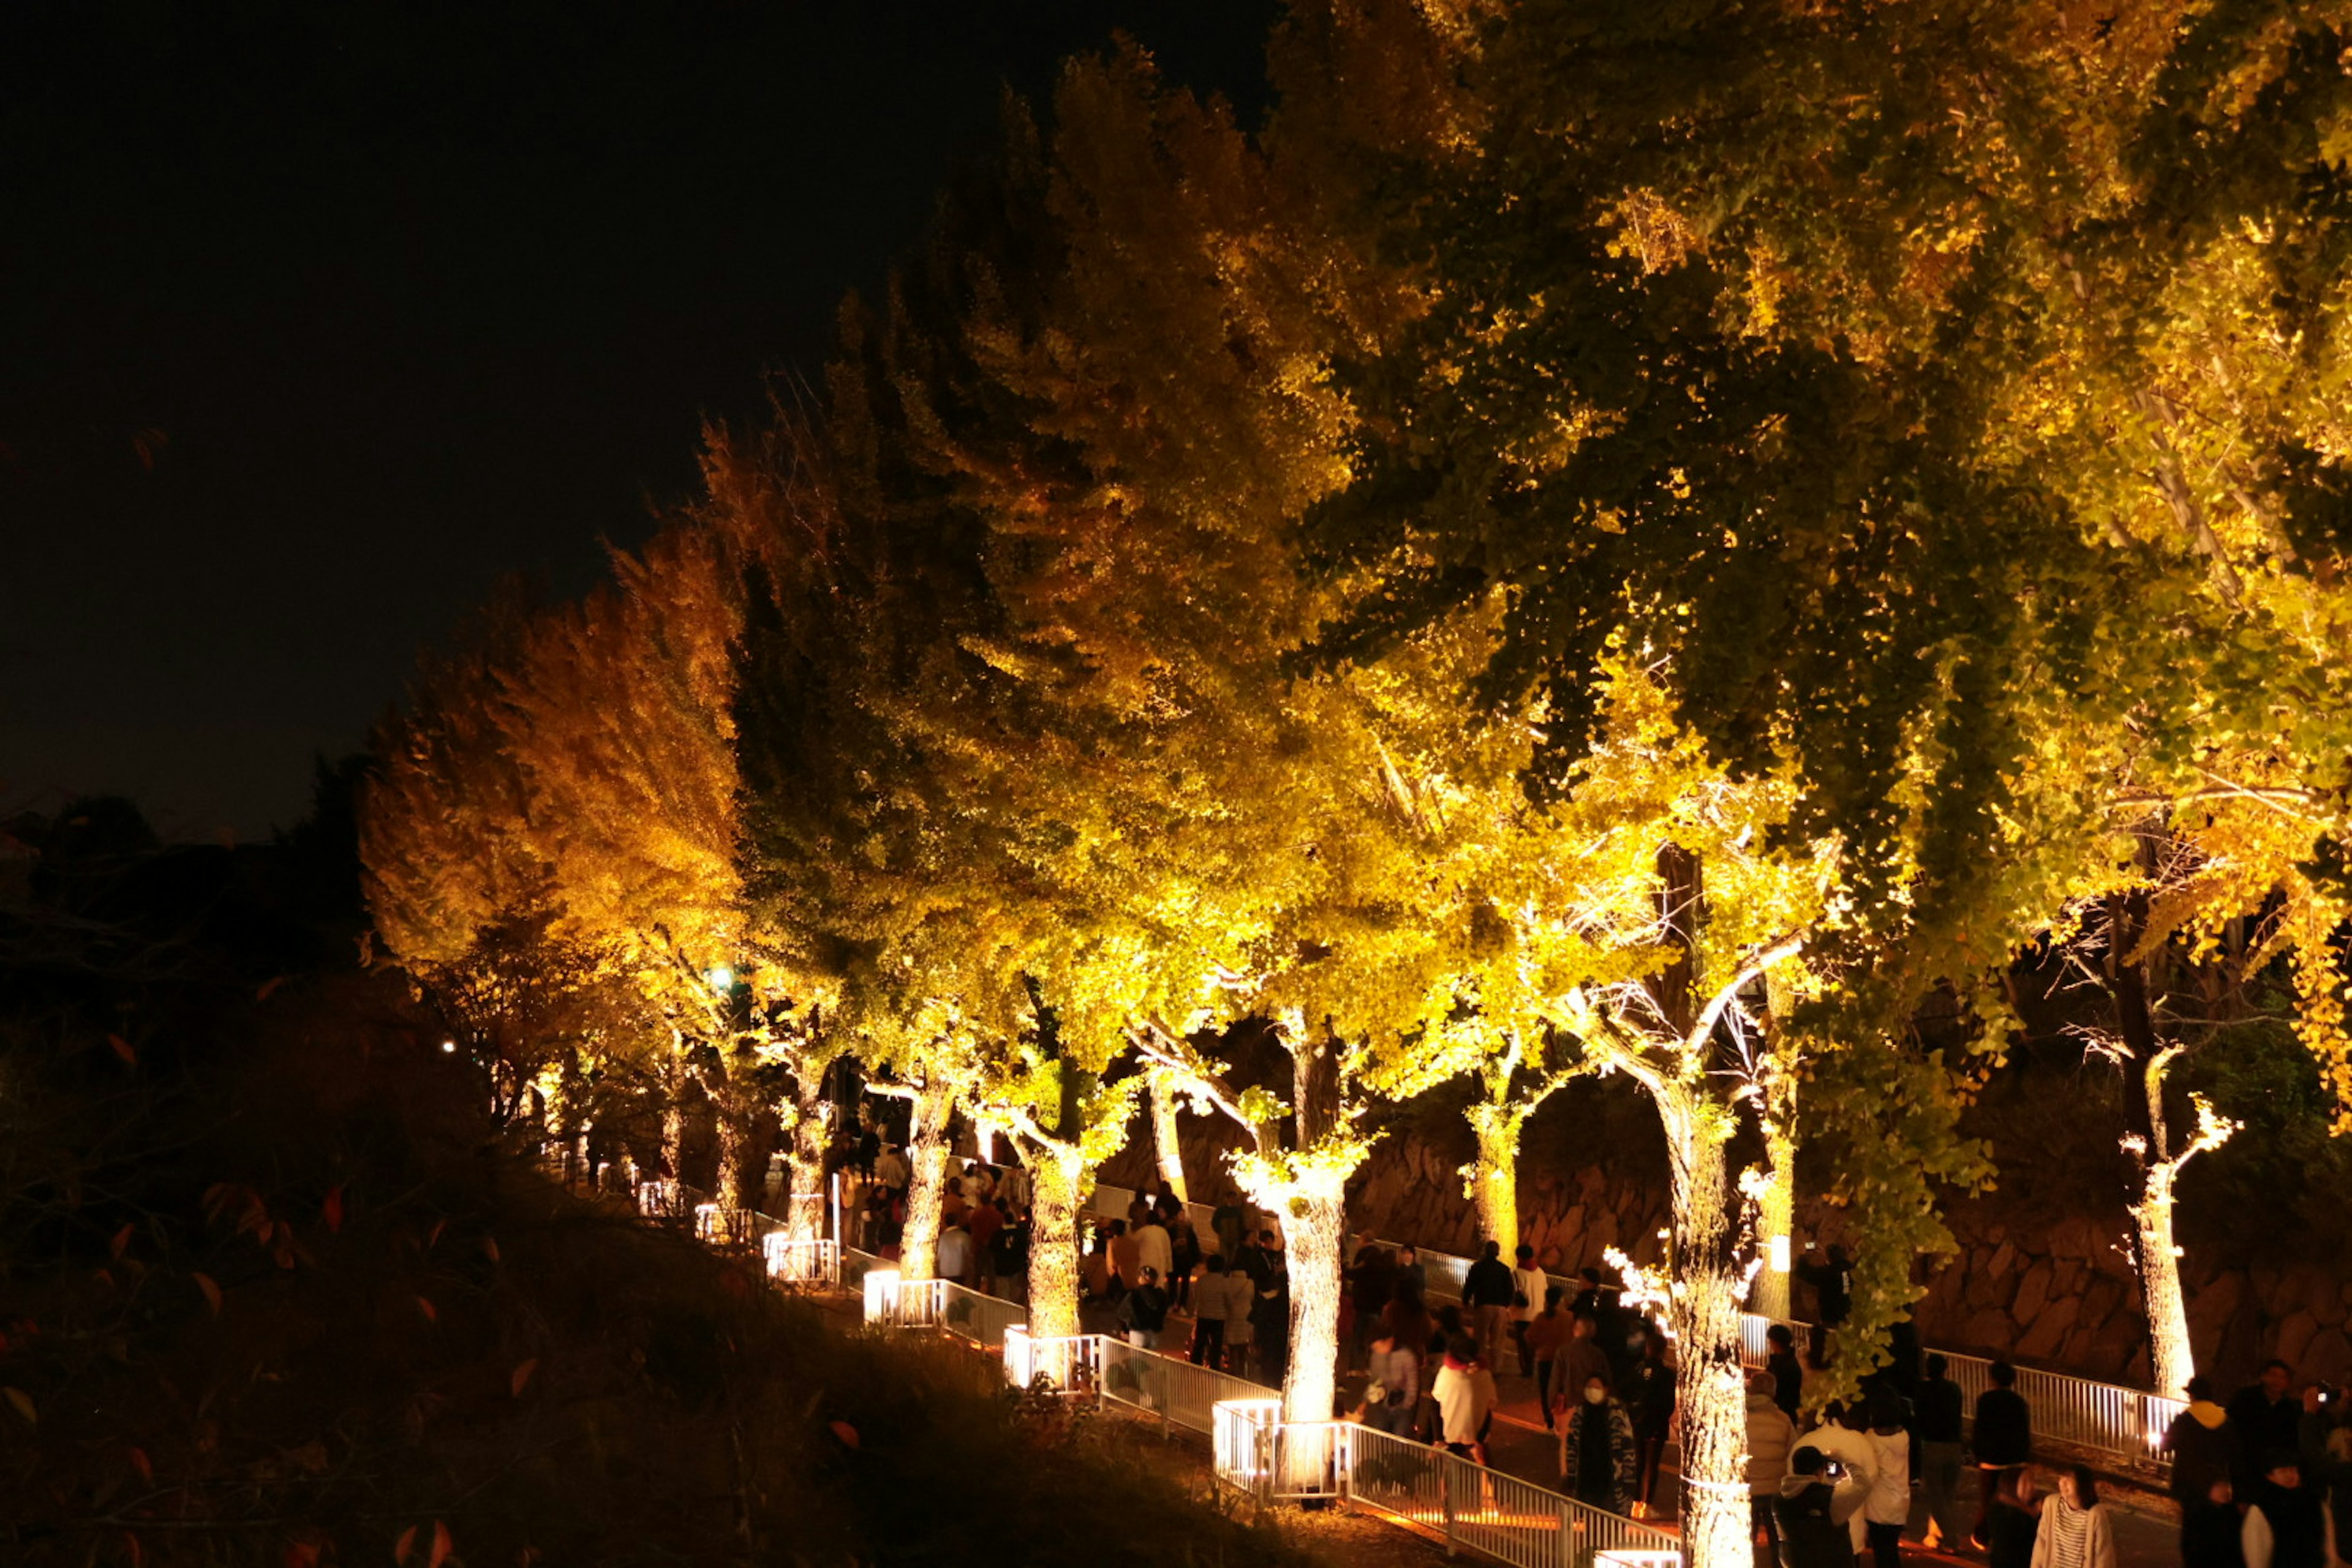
2146 1533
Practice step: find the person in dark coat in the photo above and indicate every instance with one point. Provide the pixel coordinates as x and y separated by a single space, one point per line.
1833 1283
1650 1399
1810 1536
2012 1520
2205 1447
2003 1439
2287 1524
1487 1293
2212 1536
1936 1422
1370 1284
2269 1419
1788 1371
2004 1434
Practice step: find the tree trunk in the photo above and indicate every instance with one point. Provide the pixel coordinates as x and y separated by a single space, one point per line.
2146 1146
1164 1136
1314 1224
1314 1227
2170 1353
1709 1382
804 1161
673 1123
927 1155
1056 1181
1495 1179
1775 1223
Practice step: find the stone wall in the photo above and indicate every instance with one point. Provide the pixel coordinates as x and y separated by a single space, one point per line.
2060 1294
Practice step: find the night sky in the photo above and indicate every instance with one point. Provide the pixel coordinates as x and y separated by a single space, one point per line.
317 320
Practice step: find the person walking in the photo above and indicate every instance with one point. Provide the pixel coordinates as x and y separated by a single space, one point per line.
1370 1283
1487 1292
1547 1335
1241 1331
2205 1448
1412 1273
1228 1220
1143 1312
954 1259
2287 1524
1788 1371
1580 1362
1842 1438
1650 1398
1888 1506
2327 1454
1528 1284
1937 1412
2211 1534
2003 1439
1464 1390
1270 1317
1804 1521
1010 1254
2269 1419
1770 1437
984 1221
2012 1519
1153 1249
1183 1257
1833 1283
1598 1462
1209 1313
1396 1372
2077 1530
1125 1256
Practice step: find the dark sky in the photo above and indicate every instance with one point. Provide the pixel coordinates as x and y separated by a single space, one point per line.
315 319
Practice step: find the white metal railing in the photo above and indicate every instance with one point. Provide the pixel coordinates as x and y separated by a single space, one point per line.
814 1260
1072 1363
2105 1418
1498 1515
969 1315
1167 1386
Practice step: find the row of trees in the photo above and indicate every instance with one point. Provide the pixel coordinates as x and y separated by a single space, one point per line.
1596 540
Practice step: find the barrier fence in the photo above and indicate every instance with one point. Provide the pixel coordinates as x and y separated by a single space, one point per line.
2115 1423
1502 1516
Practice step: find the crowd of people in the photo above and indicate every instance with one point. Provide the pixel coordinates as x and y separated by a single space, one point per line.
2262 1481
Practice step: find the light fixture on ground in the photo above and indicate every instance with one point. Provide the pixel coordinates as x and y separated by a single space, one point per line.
881 1296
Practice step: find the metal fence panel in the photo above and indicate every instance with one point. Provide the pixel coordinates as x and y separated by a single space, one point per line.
1168 1386
1501 1516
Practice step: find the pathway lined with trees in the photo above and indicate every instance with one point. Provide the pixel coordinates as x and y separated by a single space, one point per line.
1533 561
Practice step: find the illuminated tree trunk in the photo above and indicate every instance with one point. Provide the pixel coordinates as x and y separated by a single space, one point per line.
1314 1226
2157 1166
1776 1222
2173 1360
734 1140
1056 1181
1164 1136
811 1120
2147 1142
927 1155
1313 1206
1709 1382
673 1126
1495 1178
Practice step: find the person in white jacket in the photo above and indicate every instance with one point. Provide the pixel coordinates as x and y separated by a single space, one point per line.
1856 1463
1889 1505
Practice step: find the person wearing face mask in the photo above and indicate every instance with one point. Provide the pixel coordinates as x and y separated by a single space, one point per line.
1599 1459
